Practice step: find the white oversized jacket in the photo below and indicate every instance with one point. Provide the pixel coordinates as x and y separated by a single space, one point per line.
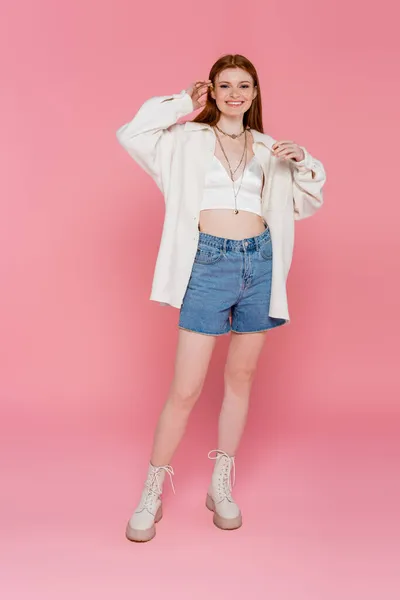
177 156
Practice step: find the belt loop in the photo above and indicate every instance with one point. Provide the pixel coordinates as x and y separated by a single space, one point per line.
224 249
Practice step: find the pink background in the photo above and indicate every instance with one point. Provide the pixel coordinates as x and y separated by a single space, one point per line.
86 358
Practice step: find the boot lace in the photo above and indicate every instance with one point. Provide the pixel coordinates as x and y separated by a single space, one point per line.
154 489
227 474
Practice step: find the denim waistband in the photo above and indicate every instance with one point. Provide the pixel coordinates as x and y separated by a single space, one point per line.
226 244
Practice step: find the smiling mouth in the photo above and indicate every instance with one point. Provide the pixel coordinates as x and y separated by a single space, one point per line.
232 103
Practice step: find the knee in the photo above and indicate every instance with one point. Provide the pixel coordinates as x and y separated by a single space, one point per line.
184 398
239 376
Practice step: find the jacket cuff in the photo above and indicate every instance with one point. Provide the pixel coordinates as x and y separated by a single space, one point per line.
187 101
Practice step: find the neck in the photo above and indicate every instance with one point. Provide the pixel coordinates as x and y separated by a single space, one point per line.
231 125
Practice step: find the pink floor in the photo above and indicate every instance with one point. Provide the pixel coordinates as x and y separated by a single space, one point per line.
319 506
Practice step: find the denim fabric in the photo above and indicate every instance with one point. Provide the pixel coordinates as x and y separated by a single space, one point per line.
230 286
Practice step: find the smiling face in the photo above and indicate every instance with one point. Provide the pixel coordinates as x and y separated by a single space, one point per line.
233 91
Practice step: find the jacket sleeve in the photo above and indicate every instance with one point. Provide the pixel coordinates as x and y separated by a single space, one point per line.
148 137
308 177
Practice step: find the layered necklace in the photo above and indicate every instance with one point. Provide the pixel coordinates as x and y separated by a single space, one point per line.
244 155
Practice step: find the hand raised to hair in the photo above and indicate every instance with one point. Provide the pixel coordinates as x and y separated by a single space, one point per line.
288 149
198 92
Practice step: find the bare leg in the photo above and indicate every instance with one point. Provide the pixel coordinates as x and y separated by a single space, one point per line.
243 354
193 356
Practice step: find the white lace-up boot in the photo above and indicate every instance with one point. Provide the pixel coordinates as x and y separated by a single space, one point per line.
141 525
227 514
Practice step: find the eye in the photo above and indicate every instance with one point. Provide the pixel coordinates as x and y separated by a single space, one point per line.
224 85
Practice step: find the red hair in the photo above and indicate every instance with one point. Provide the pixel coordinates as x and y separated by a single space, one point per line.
210 113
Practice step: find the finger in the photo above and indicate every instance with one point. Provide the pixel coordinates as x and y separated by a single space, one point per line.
197 94
287 154
282 144
284 150
202 92
202 87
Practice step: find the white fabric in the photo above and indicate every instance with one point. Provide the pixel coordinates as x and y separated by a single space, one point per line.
177 156
218 187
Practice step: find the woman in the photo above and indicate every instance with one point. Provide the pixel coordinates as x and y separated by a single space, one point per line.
232 194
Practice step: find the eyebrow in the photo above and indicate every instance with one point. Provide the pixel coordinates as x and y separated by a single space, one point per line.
244 81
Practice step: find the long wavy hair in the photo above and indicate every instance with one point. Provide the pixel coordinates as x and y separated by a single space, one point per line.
211 113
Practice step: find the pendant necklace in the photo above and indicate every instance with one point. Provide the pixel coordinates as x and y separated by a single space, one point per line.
244 154
232 135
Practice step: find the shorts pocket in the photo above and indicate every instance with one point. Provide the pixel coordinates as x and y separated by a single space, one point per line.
266 249
207 255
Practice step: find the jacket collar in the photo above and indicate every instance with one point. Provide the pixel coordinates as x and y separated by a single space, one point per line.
259 137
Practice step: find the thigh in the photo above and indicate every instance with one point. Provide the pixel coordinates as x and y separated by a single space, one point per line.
244 351
193 355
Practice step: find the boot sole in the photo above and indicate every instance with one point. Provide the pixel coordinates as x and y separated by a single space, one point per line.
143 535
221 522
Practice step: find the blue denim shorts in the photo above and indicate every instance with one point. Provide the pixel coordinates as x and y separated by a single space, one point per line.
230 286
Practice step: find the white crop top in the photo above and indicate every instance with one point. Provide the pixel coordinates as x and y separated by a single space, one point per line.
218 188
